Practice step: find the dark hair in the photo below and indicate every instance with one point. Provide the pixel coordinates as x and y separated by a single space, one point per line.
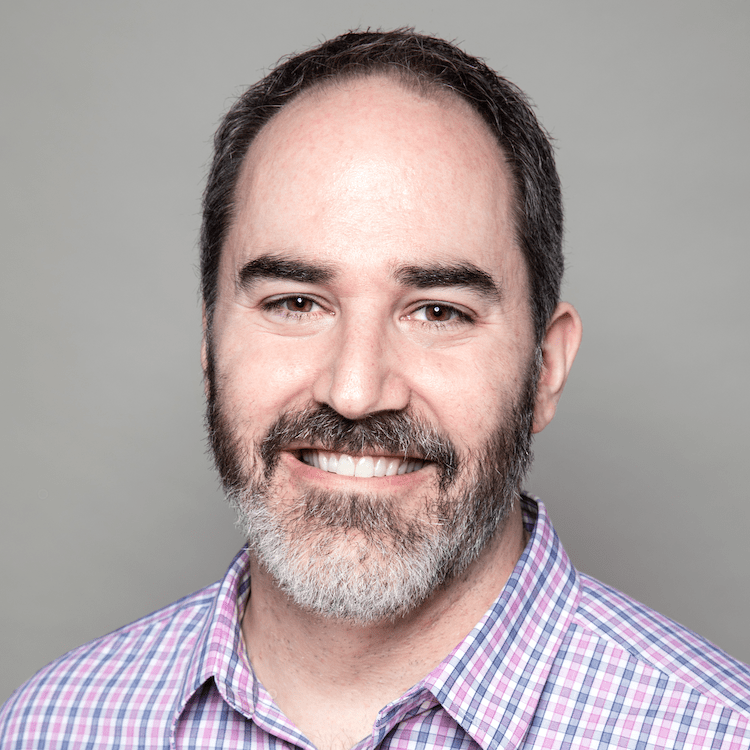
429 64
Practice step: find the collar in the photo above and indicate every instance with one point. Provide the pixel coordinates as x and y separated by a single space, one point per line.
490 684
219 652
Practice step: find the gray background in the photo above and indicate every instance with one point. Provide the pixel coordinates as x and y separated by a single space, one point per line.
109 505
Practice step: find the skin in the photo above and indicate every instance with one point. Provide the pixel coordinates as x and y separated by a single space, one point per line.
363 180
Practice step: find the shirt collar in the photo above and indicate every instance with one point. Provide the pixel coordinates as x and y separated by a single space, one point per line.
219 652
493 680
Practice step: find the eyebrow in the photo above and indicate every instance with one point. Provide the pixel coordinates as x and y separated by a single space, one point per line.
278 267
465 275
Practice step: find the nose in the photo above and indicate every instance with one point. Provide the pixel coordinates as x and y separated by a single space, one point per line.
361 372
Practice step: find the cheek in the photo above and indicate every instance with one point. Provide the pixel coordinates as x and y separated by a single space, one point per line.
467 394
458 394
264 374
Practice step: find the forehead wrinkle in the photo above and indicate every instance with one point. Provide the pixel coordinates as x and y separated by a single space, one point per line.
280 266
462 274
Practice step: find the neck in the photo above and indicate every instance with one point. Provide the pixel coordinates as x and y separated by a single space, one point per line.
331 677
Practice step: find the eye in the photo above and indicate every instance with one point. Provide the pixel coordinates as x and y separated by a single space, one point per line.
293 307
296 304
293 304
438 312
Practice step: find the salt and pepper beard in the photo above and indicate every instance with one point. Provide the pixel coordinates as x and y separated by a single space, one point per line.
355 555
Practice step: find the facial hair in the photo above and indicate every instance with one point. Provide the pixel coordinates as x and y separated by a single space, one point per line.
356 556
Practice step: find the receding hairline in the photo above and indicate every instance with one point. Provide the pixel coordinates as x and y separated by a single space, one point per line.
411 81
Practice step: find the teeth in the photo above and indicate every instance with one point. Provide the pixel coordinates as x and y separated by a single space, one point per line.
365 466
345 466
392 467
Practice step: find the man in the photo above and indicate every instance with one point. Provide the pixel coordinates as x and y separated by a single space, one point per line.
381 268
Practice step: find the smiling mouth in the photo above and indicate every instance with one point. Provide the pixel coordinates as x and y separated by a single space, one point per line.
359 466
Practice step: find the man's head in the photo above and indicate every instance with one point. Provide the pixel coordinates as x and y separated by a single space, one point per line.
373 358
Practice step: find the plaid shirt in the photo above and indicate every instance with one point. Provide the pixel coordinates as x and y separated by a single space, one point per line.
559 661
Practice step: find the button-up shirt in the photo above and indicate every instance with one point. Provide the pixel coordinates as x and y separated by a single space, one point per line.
558 661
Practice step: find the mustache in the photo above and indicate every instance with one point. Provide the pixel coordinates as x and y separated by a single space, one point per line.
390 432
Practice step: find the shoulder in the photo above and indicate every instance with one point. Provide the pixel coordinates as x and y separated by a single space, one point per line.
659 648
142 663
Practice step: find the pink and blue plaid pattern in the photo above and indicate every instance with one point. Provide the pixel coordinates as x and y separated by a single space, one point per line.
559 661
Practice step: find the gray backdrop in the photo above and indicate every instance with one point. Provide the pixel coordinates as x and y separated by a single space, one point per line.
110 507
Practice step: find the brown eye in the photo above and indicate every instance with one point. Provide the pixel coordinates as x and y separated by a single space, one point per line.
438 312
299 304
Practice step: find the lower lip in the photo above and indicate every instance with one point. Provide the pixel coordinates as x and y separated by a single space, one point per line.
303 470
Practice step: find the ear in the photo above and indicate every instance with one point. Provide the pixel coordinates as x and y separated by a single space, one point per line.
559 349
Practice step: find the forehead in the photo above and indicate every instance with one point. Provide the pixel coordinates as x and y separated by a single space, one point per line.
370 167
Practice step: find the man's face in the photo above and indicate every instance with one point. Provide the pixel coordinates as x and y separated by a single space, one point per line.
371 351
